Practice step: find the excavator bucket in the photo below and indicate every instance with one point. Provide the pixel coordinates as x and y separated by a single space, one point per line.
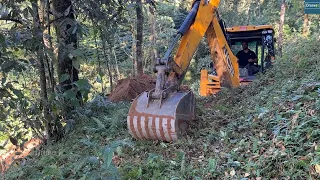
161 119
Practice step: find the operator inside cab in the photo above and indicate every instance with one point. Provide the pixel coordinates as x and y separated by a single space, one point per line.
247 58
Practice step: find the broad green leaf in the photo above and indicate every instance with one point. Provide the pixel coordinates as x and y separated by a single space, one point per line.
116 144
70 94
87 142
82 84
183 163
78 53
64 77
12 104
25 12
93 160
7 66
18 93
212 165
76 64
75 102
107 157
100 124
67 11
75 28
297 97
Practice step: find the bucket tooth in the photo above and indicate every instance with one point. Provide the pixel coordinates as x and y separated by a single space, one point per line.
163 123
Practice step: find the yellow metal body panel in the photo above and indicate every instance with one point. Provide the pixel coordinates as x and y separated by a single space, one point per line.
209 84
190 41
225 61
248 28
206 23
192 38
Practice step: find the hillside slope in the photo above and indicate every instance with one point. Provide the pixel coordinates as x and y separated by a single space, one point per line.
268 129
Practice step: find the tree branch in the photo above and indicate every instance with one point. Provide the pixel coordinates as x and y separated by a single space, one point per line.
11 19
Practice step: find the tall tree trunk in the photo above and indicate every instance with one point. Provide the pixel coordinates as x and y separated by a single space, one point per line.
106 56
112 62
281 24
42 72
65 23
134 51
153 38
46 19
67 41
248 12
99 69
116 64
139 54
51 48
305 31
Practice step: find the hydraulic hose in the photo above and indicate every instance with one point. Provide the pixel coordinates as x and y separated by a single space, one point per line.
189 19
183 28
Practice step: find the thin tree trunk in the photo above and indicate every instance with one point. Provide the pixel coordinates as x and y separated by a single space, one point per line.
112 62
305 31
248 12
53 83
260 3
282 15
108 66
139 54
116 62
43 19
99 69
153 38
134 50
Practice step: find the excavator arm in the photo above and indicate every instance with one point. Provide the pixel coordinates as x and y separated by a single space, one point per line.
165 112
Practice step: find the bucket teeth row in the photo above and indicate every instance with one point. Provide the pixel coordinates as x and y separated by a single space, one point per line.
156 128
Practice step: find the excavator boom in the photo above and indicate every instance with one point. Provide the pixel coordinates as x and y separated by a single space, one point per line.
165 112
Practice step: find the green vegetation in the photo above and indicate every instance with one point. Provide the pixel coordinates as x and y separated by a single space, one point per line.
268 129
59 59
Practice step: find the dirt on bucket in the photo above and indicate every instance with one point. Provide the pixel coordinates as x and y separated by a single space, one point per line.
129 88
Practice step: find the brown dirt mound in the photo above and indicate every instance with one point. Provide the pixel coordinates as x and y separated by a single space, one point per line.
129 88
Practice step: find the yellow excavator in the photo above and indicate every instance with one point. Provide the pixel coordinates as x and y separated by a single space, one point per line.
260 36
165 112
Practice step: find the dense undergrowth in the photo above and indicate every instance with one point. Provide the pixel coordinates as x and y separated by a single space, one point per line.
268 129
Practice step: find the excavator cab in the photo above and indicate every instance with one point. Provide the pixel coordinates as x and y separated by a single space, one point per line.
260 40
